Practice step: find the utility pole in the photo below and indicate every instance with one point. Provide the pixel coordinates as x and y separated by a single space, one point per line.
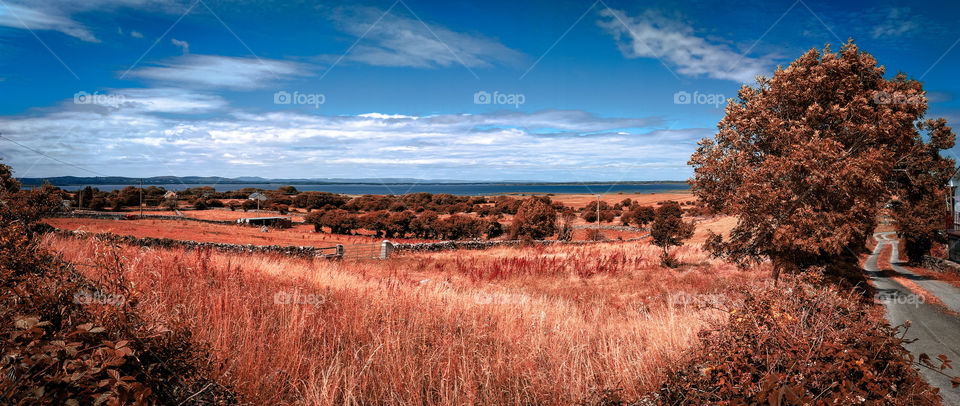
141 197
598 213
80 206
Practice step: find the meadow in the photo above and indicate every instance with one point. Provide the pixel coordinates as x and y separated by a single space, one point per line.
527 325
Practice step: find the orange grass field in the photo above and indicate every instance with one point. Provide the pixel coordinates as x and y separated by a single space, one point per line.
530 325
580 200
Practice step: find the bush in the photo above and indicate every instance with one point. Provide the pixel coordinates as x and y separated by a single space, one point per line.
799 344
317 200
594 234
248 205
61 344
669 229
494 229
536 218
459 227
639 215
98 204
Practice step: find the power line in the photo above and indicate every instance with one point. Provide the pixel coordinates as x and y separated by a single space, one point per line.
52 158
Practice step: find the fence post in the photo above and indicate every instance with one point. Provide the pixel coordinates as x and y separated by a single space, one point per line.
386 247
339 251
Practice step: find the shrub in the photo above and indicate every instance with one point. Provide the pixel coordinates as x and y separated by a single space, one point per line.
248 205
507 205
536 218
98 204
594 234
61 346
800 344
317 200
640 215
669 229
459 226
493 229
424 226
399 224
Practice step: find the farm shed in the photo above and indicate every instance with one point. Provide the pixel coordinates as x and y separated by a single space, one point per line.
281 222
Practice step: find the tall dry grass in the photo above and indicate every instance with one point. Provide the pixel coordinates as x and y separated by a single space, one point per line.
506 326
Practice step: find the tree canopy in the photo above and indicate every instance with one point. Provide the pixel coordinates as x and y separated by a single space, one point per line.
807 158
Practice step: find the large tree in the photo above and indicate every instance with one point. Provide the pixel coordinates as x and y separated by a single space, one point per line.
805 159
920 178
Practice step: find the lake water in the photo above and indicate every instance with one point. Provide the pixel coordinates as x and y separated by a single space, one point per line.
463 189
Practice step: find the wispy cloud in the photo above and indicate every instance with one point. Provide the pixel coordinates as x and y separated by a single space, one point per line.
214 71
57 15
184 45
653 36
394 40
40 19
897 22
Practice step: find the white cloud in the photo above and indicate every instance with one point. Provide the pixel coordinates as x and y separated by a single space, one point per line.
149 100
214 71
184 45
56 15
38 19
136 34
402 41
676 44
142 137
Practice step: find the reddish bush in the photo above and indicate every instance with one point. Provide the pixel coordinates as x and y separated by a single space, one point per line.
800 344
669 229
67 340
536 219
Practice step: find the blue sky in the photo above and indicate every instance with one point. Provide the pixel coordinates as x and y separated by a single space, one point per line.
542 90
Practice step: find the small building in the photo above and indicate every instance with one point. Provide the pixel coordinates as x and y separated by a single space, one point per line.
279 222
170 195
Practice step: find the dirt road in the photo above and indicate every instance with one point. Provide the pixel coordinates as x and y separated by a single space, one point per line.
938 333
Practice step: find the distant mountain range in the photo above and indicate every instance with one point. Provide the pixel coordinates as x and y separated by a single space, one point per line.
211 180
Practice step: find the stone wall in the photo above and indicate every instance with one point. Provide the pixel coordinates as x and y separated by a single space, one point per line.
480 244
295 251
940 264
123 216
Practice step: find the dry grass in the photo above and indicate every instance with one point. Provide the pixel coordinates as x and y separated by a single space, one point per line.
580 200
532 325
222 214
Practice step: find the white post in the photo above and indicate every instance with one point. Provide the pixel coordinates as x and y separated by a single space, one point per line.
386 247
